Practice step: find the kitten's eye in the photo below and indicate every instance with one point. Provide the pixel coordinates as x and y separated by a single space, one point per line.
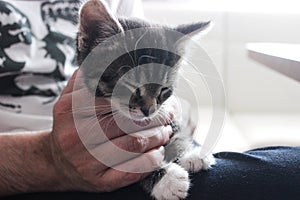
124 69
107 77
145 59
164 94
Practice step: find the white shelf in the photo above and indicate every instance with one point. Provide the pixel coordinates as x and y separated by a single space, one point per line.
281 57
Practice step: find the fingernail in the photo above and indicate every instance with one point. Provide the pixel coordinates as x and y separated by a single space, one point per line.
168 130
162 150
158 156
171 115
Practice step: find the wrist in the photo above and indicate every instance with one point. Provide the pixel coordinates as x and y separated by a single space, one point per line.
27 164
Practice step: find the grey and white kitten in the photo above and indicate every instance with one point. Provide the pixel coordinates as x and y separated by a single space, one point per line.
182 154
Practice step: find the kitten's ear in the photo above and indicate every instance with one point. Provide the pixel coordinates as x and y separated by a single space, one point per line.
96 21
194 29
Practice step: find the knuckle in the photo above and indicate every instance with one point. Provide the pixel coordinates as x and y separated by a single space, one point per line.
57 107
153 161
137 144
103 185
159 138
132 177
106 188
162 137
61 105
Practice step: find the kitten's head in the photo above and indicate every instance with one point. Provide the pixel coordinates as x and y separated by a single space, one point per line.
136 89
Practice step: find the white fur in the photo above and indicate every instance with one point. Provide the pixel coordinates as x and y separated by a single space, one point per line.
192 161
174 185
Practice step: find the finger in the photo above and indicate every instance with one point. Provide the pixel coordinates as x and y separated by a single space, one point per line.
132 171
145 140
172 109
128 147
100 156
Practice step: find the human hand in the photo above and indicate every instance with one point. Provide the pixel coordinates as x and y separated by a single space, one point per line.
78 162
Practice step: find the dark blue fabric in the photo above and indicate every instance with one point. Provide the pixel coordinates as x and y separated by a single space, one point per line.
266 173
271 173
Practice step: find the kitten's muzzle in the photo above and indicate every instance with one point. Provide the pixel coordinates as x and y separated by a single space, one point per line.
148 110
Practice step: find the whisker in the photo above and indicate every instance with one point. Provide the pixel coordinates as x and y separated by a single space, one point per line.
107 125
132 60
90 127
146 56
90 109
132 84
135 46
159 119
196 71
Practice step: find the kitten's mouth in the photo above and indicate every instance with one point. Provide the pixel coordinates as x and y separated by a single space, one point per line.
140 119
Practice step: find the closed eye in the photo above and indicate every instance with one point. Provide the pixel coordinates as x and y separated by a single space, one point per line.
145 59
107 78
124 69
165 93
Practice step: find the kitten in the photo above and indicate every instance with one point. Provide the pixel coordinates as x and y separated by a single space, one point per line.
97 24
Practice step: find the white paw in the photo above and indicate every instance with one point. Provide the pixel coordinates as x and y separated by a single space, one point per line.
174 185
192 161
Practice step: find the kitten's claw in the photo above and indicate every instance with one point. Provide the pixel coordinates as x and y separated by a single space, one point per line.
191 161
174 185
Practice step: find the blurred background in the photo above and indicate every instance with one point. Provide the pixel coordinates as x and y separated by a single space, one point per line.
263 106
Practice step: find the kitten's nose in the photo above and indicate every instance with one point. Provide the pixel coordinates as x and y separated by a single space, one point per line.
147 110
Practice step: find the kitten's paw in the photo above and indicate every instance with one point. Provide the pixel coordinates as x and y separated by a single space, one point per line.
174 185
191 161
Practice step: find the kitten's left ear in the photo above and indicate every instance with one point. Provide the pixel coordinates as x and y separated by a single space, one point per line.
194 30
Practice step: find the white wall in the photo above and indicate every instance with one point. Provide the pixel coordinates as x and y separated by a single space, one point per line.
249 85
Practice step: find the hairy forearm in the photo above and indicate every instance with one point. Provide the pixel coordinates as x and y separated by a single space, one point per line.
26 163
